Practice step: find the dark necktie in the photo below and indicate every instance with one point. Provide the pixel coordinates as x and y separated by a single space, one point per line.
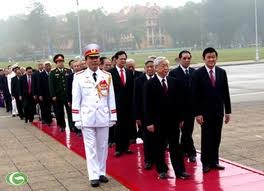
29 85
94 76
187 72
188 77
212 78
164 86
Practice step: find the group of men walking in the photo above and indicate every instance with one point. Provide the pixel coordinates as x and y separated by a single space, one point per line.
160 104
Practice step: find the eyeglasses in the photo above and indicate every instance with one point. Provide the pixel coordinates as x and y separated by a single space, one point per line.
186 58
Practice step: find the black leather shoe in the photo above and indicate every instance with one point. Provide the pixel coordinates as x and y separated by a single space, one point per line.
133 141
129 152
183 175
148 166
117 154
94 183
103 179
206 169
192 158
218 167
163 175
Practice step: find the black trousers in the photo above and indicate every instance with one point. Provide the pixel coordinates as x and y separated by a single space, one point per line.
211 138
19 104
45 107
133 131
122 135
169 135
29 107
8 102
149 144
59 112
186 137
111 138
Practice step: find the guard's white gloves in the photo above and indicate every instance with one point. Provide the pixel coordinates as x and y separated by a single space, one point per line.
78 125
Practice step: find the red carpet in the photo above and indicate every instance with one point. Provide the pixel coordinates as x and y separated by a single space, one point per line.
128 170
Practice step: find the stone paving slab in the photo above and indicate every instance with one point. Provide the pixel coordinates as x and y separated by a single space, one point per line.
48 164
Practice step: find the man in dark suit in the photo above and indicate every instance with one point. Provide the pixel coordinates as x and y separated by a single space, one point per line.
26 94
161 93
212 100
148 138
123 85
6 93
35 78
131 65
2 102
35 88
183 73
76 67
15 83
44 94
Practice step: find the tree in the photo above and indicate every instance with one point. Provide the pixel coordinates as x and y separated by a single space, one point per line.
136 25
37 25
186 29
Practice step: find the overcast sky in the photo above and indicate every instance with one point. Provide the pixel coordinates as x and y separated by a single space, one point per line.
56 7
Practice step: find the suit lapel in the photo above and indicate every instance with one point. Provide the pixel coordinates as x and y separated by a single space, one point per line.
100 77
206 75
217 76
89 77
157 83
127 76
117 76
181 72
169 82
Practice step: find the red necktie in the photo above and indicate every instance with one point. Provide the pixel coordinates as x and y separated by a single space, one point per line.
29 85
212 78
122 77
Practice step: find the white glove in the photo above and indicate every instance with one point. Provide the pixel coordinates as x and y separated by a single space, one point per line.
78 124
112 123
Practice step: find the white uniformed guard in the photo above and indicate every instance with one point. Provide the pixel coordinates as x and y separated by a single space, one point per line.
94 111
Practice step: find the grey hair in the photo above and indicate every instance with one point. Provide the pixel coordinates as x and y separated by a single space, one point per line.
160 59
152 57
130 60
